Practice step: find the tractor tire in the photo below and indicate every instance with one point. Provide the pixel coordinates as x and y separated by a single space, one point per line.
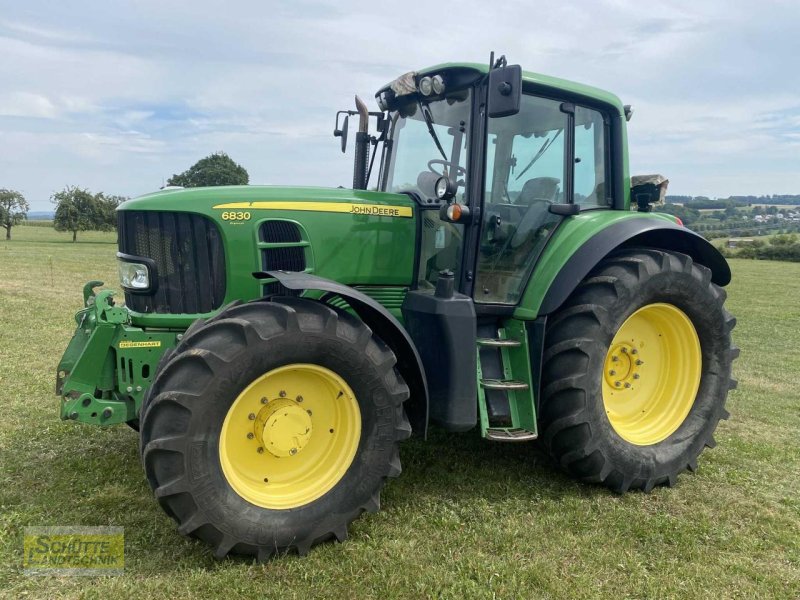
272 426
636 370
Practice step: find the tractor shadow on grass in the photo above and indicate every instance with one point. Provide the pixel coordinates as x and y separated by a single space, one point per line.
463 466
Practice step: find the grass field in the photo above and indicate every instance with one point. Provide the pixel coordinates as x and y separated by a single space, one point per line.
467 519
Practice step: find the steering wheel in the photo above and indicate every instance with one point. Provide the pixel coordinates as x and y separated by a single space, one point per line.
460 171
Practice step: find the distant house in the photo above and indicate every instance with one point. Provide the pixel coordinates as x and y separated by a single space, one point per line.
736 242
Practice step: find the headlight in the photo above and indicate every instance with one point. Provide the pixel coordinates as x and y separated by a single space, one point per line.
425 86
438 84
134 276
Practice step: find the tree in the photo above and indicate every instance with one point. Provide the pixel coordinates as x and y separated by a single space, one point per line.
13 209
77 210
216 169
107 211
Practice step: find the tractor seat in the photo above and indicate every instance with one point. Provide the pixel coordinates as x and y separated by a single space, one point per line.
539 188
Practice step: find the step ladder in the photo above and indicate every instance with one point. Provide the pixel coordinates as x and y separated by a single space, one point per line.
514 387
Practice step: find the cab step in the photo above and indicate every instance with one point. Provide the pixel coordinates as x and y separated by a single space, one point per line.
510 434
503 384
499 343
505 400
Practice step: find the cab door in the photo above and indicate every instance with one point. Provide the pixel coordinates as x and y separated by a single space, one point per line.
550 152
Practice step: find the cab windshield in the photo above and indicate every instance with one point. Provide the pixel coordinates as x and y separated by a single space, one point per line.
414 161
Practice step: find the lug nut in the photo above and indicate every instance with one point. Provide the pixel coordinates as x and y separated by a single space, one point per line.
252 416
309 412
639 362
636 376
299 399
293 451
250 436
617 383
612 372
627 385
260 451
264 400
282 394
624 350
614 358
634 351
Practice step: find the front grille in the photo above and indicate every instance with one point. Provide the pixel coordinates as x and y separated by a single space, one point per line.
189 256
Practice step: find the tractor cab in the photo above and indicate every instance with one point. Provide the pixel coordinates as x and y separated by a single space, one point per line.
493 184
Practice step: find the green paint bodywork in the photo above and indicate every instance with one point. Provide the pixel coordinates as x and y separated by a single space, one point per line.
101 382
353 249
568 237
99 379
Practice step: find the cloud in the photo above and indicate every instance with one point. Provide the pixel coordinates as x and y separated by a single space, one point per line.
120 96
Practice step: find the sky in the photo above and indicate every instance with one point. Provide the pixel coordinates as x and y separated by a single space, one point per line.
118 96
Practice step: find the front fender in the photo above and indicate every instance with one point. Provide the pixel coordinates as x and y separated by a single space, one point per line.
385 326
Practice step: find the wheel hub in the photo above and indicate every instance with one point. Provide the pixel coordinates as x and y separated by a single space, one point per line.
623 365
283 427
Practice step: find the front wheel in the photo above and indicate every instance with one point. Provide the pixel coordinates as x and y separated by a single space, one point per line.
272 426
636 370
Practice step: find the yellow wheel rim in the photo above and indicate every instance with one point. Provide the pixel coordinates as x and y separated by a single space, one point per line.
652 374
290 436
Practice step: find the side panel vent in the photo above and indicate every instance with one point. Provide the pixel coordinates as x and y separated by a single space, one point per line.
292 258
279 232
283 246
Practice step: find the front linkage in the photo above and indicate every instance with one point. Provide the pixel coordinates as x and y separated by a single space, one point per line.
108 364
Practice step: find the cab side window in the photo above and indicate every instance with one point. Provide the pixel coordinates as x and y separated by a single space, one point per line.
591 189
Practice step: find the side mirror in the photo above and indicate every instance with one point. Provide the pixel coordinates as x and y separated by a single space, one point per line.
505 91
342 133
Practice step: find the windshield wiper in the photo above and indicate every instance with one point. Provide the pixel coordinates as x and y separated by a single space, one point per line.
538 155
429 122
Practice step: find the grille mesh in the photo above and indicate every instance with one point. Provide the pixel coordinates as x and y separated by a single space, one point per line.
279 232
292 258
189 256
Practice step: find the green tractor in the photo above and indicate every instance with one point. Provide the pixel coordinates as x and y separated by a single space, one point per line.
503 275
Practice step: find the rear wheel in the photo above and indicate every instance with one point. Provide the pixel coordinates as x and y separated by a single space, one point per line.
273 426
636 370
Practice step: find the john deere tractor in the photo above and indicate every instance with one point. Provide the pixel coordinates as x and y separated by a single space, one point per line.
503 274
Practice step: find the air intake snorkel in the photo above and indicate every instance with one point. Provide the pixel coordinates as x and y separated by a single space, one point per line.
362 147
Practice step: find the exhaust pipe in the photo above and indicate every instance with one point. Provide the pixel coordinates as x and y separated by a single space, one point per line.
362 147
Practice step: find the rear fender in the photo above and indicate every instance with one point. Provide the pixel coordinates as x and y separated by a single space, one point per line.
634 232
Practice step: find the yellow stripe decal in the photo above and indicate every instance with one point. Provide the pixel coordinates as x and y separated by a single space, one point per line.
376 210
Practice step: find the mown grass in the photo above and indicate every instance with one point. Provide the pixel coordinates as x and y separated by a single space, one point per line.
467 519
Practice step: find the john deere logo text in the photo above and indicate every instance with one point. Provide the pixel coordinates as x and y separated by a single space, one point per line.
149 344
383 211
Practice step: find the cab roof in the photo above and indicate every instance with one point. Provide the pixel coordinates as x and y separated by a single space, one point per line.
546 82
